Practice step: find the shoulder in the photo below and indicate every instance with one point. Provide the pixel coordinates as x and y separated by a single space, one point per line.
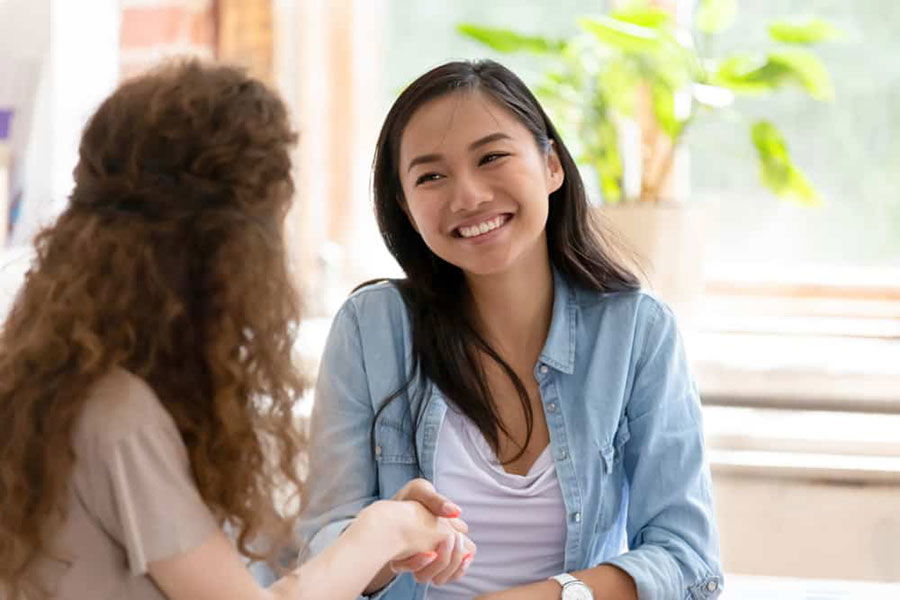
120 405
375 296
379 303
637 309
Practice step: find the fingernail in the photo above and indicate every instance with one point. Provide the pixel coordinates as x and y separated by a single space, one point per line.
451 510
428 557
466 561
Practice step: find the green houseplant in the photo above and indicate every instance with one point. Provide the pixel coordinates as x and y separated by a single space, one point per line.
626 90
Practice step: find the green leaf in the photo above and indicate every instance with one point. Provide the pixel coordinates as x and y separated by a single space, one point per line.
507 40
643 14
803 30
714 16
621 35
745 74
749 74
777 170
805 68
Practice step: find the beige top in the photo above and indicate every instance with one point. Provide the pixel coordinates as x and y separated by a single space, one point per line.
133 498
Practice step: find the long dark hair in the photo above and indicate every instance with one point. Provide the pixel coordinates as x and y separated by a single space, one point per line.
446 345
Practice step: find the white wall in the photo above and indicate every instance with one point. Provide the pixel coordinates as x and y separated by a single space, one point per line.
821 528
69 53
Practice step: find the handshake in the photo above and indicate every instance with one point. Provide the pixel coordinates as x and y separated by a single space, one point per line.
441 549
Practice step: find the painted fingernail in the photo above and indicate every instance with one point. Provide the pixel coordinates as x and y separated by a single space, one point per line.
427 558
467 561
451 510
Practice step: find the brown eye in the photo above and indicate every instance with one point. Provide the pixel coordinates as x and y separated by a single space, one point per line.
493 156
427 177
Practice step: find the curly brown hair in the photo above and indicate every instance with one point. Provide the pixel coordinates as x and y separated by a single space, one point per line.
168 261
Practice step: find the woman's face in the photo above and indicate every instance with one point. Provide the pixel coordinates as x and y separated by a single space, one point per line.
476 184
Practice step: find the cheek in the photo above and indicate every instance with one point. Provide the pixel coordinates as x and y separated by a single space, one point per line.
424 218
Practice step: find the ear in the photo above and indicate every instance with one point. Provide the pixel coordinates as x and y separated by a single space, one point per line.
555 173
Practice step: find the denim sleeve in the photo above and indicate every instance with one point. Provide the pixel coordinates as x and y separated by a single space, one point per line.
342 476
672 535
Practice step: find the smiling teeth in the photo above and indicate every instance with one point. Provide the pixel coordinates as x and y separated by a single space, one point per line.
482 228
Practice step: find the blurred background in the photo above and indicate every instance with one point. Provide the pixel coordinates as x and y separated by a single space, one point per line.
745 155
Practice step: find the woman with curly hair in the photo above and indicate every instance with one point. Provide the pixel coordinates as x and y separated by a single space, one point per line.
146 381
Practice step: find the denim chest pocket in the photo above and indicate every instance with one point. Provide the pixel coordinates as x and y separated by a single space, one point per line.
612 488
394 444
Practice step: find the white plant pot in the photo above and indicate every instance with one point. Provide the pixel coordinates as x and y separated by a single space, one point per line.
663 243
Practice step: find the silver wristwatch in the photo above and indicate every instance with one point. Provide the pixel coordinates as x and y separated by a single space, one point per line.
573 588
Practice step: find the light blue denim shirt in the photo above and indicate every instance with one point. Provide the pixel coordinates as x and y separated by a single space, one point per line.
625 432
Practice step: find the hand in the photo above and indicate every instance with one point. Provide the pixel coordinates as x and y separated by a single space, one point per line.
450 559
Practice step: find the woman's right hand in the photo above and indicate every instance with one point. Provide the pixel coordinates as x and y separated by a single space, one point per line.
431 539
413 529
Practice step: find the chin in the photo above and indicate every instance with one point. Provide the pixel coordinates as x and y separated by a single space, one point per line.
484 268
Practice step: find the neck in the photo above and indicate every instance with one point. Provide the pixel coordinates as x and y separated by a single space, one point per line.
513 309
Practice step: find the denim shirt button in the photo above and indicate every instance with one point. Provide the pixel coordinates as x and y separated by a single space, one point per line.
551 407
544 369
563 455
377 450
712 586
577 517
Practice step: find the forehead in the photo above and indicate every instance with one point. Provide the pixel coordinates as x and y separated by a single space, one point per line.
453 121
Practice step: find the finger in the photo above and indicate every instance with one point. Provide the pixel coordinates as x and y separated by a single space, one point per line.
466 561
413 563
444 553
459 525
423 492
456 559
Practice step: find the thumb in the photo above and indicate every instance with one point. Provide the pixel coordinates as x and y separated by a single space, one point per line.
423 492
414 562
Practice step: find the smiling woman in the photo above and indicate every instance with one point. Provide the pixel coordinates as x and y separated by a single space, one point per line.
516 366
480 205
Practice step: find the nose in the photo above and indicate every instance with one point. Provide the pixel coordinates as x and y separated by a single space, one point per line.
469 193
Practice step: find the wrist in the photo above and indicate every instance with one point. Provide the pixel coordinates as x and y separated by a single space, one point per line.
572 588
372 529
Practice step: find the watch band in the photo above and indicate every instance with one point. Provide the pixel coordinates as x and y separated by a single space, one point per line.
564 578
572 587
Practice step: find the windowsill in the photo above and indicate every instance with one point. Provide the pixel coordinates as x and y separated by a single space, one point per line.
797 371
799 337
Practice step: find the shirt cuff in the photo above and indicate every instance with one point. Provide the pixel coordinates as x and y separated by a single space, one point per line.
657 576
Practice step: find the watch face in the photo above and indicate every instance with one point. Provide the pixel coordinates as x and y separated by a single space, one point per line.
577 591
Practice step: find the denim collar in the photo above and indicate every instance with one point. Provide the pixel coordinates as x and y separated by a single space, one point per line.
559 349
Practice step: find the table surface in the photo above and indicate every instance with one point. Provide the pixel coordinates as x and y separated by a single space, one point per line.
748 587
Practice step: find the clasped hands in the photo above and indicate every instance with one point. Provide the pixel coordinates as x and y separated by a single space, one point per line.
450 559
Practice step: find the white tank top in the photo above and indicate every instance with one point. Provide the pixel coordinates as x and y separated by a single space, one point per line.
518 522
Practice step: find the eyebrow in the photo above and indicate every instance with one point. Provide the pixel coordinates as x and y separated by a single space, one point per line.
428 158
